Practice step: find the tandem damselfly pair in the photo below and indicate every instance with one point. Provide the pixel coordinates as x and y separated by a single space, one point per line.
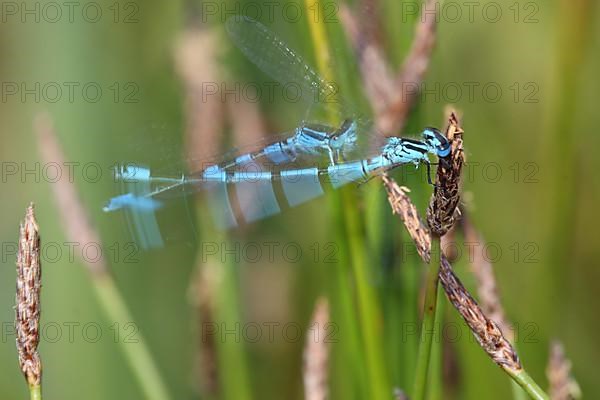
285 173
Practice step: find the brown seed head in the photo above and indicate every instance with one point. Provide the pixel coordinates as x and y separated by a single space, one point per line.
403 206
488 334
446 195
562 384
27 309
316 355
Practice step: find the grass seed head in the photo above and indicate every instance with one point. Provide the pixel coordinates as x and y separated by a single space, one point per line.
442 208
28 309
486 331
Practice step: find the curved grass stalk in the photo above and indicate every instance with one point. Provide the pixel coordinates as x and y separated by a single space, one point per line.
429 323
80 230
530 387
368 312
137 354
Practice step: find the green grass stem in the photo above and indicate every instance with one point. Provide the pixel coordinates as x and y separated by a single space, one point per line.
137 354
35 392
369 317
528 384
428 324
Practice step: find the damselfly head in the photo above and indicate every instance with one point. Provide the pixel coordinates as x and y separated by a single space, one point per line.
438 143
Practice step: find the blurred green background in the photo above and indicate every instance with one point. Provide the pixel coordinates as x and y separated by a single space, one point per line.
539 134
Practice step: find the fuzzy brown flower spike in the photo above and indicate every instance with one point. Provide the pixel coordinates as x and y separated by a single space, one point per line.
27 310
488 334
316 355
446 195
562 384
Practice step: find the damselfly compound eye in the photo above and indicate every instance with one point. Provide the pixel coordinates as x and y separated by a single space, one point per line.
434 138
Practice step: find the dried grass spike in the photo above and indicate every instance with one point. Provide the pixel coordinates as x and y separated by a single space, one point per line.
195 55
403 206
562 384
316 355
391 94
442 208
74 216
378 80
414 68
28 308
486 332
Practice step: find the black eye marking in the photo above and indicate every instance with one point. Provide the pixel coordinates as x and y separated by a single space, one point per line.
420 149
416 142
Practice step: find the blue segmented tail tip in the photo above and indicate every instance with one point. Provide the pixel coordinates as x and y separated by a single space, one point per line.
131 201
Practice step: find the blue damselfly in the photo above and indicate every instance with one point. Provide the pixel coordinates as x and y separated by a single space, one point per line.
283 174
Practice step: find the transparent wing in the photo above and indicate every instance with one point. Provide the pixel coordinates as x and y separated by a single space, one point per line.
277 59
249 185
249 192
274 57
238 190
306 146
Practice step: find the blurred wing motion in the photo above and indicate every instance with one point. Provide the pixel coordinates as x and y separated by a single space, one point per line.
238 190
257 185
243 195
288 172
276 59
